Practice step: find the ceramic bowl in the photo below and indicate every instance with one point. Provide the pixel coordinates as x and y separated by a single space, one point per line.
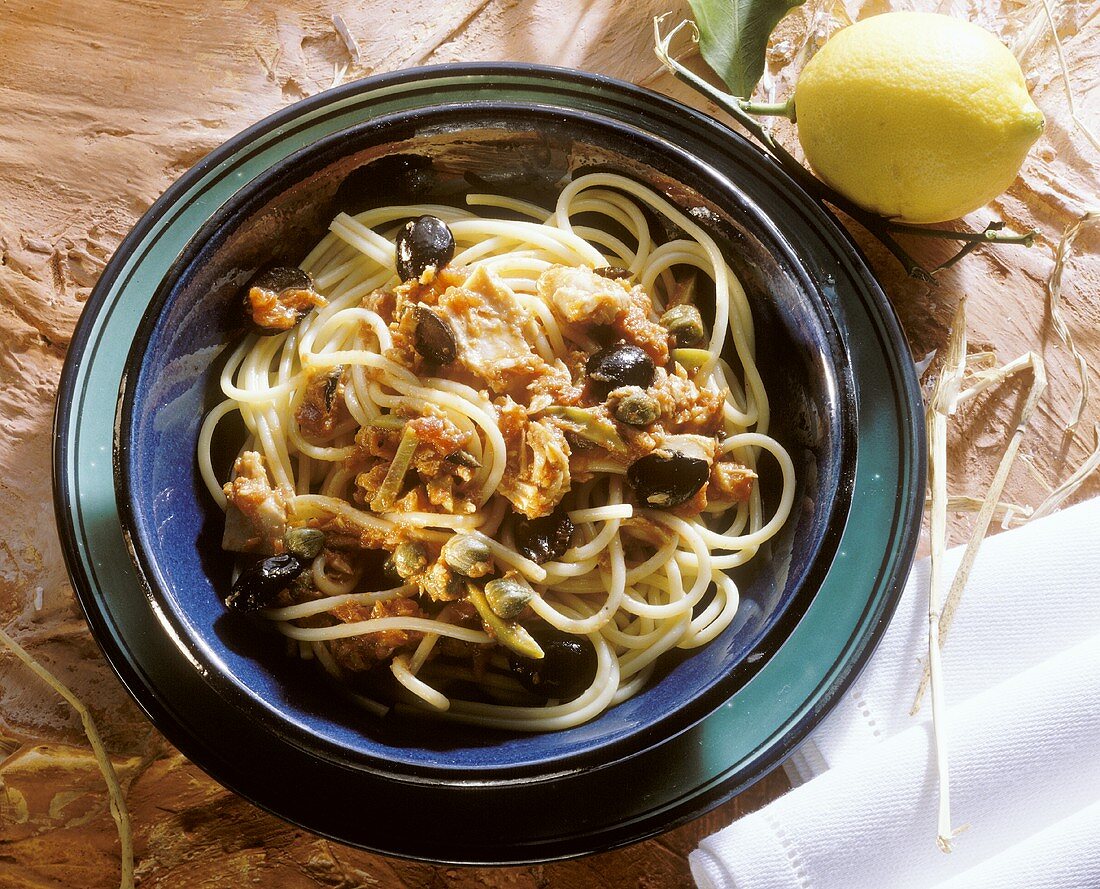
431 156
812 606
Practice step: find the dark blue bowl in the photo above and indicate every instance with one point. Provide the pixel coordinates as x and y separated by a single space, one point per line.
171 381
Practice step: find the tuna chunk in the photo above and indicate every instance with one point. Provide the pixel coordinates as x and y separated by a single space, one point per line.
579 295
493 334
358 653
255 520
537 475
730 482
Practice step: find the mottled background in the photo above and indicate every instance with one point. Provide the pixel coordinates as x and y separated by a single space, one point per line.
103 103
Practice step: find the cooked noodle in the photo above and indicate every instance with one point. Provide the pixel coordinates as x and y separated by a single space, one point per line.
636 581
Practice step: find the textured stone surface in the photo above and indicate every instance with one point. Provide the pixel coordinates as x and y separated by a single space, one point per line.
105 102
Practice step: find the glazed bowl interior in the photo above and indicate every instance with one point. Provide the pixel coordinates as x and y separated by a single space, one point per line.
439 155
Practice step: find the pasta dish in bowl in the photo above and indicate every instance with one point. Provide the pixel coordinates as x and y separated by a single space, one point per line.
469 271
498 465
484 440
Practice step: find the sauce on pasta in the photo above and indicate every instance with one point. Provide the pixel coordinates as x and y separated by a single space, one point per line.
523 424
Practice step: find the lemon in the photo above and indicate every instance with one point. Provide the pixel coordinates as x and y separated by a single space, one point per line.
916 116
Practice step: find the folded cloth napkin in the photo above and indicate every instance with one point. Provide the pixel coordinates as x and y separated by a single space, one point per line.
1064 856
1022 667
1023 756
1033 592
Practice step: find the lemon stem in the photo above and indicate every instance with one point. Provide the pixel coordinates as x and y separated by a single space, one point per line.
882 228
991 234
768 109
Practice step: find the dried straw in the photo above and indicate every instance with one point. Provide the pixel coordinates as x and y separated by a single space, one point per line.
940 406
985 514
1071 484
1002 510
1054 307
1081 125
953 387
103 760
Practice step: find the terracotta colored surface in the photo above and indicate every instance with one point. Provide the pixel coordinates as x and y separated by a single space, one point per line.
105 102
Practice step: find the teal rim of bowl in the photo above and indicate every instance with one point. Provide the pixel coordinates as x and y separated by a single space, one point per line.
626 801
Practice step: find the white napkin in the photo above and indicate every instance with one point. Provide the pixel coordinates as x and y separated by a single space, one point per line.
1022 667
1034 591
1062 856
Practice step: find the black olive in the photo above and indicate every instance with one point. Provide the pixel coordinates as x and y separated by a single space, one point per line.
613 271
280 278
424 241
277 280
544 538
433 338
618 366
566 669
259 584
667 478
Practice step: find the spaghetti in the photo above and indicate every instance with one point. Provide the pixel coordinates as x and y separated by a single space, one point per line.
537 433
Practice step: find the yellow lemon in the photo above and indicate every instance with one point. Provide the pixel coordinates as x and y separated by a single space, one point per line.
916 116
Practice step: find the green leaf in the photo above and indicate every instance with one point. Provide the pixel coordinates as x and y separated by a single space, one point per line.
733 37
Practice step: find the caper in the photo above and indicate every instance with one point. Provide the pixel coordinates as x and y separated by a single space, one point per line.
433 339
666 478
468 555
423 242
544 538
686 324
638 409
618 366
305 543
613 271
507 597
259 584
410 557
567 667
508 633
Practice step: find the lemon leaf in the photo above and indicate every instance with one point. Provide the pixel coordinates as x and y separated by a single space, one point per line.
733 37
